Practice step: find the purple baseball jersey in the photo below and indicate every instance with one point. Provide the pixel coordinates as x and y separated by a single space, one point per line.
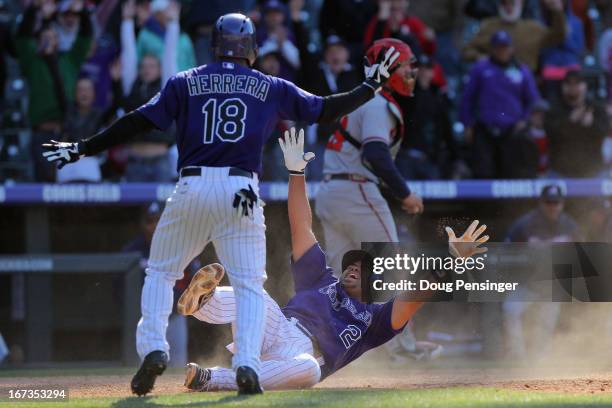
225 112
344 327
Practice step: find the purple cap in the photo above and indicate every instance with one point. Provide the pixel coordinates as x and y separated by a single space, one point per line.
501 38
273 5
552 192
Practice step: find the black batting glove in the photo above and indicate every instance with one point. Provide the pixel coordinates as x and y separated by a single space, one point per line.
61 153
378 73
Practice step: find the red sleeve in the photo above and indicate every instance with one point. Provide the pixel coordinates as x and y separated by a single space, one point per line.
439 79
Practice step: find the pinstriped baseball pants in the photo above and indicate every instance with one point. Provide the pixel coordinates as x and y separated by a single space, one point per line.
287 360
200 211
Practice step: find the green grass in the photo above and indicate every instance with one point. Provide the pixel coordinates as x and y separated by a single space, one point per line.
425 398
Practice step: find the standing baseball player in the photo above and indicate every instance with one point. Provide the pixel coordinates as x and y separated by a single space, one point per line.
358 156
224 113
326 325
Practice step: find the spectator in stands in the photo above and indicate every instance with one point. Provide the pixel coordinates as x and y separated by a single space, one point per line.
577 128
151 38
556 61
605 58
529 145
324 74
82 120
496 102
51 75
582 10
97 67
273 35
428 142
393 20
274 169
67 23
446 18
604 7
148 154
546 224
329 72
104 52
342 17
529 36
177 324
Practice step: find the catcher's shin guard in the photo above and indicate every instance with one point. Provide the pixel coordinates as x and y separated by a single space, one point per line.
200 289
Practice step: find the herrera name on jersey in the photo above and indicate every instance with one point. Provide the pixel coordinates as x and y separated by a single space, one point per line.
228 84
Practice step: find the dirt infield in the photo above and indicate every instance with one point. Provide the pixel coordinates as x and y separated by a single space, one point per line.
118 385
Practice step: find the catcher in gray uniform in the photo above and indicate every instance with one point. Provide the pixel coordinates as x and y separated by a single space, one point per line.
360 154
358 157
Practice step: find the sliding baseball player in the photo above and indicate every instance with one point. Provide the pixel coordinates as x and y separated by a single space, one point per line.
326 325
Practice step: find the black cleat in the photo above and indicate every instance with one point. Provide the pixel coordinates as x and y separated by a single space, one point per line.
247 381
153 365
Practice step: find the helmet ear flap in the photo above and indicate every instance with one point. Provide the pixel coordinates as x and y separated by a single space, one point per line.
254 55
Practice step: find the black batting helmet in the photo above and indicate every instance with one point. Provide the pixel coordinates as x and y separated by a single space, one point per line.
234 36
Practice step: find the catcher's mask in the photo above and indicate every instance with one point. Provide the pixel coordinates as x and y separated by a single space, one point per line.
400 84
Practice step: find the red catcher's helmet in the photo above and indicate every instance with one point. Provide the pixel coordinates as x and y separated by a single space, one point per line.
397 83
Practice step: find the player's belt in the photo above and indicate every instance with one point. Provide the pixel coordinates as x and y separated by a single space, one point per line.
357 178
315 344
197 171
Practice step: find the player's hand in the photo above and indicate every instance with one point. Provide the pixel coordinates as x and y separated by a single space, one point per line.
469 243
379 72
413 204
292 146
173 11
61 153
128 10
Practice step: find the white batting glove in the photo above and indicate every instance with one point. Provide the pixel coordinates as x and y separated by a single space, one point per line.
293 150
469 243
379 72
61 153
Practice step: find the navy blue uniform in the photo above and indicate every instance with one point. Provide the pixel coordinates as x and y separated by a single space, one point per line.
344 327
225 112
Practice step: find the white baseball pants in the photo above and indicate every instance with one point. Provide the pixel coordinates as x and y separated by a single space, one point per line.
200 211
352 213
287 360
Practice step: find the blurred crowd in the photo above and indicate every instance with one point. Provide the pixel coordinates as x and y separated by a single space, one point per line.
505 88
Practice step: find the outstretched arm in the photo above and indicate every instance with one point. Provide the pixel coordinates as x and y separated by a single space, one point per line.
121 131
461 247
300 215
337 105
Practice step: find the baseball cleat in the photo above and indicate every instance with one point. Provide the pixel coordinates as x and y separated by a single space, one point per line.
153 365
196 377
200 289
247 381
